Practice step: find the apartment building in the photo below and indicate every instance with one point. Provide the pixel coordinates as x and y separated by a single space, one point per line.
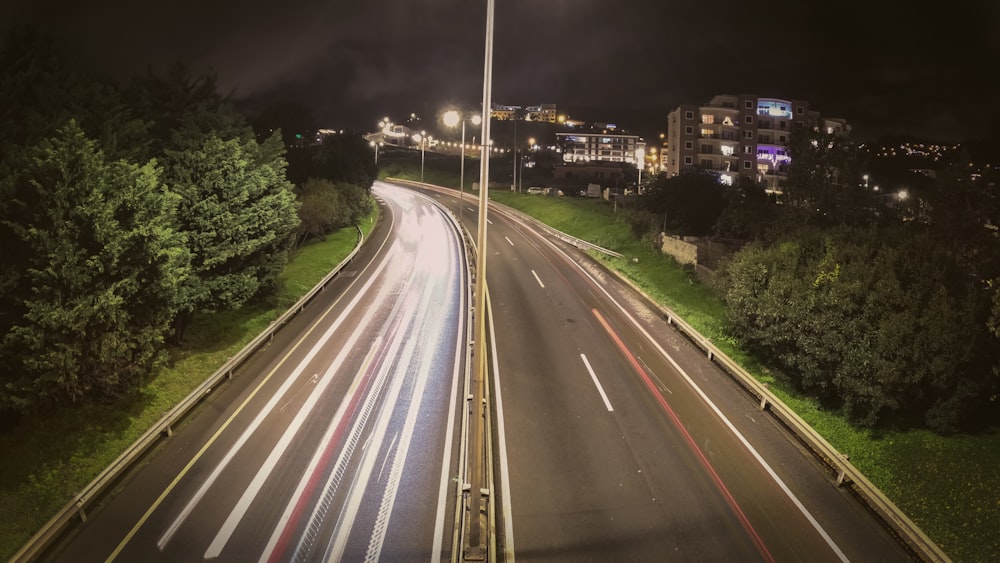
540 112
739 135
607 146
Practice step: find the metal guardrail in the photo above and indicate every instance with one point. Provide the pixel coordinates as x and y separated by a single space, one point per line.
164 427
846 473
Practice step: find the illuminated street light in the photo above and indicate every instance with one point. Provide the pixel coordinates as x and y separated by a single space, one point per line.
640 156
421 138
451 119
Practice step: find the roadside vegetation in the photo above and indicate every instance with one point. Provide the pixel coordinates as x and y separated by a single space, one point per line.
150 230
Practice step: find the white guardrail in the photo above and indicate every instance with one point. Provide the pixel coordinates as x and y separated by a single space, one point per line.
164 427
846 473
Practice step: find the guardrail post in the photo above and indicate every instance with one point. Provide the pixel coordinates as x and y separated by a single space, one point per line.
842 471
763 402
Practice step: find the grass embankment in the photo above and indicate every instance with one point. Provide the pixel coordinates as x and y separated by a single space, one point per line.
948 485
47 459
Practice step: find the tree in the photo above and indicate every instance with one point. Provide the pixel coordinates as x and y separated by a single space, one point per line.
824 185
238 212
345 157
42 86
295 121
692 202
94 277
877 321
748 213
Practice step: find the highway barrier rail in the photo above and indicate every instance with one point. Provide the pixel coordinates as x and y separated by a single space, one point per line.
164 427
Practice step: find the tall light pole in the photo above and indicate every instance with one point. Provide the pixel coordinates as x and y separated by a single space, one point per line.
514 179
477 409
451 119
420 138
640 157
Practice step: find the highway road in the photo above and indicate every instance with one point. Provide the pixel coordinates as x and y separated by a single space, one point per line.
617 440
337 442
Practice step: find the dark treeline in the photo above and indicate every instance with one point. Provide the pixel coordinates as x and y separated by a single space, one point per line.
126 209
885 307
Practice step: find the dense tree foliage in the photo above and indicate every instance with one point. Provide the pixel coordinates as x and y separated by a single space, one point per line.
888 311
42 86
95 276
692 202
341 157
875 320
327 206
239 215
123 211
748 213
824 184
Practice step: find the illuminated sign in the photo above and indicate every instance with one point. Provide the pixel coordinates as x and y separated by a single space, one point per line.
774 159
774 108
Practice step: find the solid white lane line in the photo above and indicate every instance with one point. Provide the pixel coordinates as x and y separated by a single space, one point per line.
381 471
593 376
509 241
538 279
508 512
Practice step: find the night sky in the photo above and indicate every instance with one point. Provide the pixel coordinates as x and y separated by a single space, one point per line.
889 68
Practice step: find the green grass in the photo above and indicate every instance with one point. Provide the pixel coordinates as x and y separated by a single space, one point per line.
948 485
48 458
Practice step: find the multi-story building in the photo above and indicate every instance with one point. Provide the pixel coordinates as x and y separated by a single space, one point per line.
504 113
605 146
739 135
540 112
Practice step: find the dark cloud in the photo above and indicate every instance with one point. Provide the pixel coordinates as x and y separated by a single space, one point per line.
886 67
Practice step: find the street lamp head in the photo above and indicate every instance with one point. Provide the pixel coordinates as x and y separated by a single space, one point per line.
476 119
451 118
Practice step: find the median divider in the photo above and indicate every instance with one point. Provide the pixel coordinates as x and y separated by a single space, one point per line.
164 427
